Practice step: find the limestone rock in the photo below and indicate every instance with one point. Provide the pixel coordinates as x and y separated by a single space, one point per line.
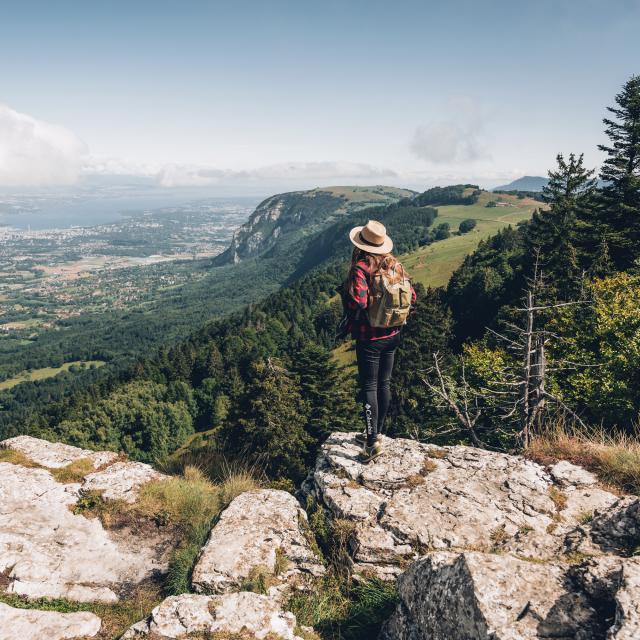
48 551
568 474
260 531
450 596
613 530
179 616
627 620
417 498
56 454
30 624
121 480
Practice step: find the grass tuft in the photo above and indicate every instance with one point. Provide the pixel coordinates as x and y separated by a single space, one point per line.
613 457
73 472
558 498
189 501
12 456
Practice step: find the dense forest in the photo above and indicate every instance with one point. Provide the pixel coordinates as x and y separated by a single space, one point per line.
541 323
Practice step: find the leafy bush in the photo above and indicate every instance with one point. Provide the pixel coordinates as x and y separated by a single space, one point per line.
467 225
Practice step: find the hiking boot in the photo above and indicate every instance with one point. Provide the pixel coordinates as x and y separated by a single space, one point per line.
370 453
361 438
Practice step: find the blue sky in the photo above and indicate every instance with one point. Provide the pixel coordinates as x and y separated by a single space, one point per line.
401 92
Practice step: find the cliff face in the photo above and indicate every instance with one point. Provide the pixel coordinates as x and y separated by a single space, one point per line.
288 215
482 545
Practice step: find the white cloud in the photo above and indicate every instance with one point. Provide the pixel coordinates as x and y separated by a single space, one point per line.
35 153
190 175
454 139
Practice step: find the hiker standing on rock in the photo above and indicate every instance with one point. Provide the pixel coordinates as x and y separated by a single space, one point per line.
378 297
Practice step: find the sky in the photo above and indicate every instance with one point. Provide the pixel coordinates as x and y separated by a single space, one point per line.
409 93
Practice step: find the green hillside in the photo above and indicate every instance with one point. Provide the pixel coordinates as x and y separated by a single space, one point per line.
433 264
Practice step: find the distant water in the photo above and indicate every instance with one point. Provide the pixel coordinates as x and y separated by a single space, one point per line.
87 211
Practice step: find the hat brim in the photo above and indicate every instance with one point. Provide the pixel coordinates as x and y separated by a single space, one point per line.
385 247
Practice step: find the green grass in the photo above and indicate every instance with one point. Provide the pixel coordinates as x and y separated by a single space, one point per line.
433 265
45 372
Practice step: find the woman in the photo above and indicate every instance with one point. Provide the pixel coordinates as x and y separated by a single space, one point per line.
379 298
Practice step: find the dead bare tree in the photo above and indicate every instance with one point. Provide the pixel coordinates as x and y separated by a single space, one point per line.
528 396
520 392
460 399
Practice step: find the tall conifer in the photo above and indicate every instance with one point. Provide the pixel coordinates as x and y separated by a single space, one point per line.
620 195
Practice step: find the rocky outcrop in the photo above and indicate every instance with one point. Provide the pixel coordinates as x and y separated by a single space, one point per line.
261 535
30 624
289 216
253 615
55 455
417 498
457 596
121 480
47 550
451 596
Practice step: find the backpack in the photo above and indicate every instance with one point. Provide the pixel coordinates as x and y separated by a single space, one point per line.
389 304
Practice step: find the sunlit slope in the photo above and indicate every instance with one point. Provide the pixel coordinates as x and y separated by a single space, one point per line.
433 265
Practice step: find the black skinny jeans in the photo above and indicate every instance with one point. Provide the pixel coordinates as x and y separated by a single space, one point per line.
375 363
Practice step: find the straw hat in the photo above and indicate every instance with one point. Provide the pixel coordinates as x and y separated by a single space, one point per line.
371 238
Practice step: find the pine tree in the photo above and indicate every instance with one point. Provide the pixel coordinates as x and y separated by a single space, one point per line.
620 195
562 235
268 423
428 331
328 392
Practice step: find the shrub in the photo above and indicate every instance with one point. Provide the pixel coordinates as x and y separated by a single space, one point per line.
467 225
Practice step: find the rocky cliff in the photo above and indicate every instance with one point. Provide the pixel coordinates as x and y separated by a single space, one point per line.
482 546
290 215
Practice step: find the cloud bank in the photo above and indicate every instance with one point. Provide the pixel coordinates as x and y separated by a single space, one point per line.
37 153
192 176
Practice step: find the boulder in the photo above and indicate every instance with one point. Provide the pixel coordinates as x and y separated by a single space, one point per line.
260 535
56 455
121 480
418 498
626 625
610 530
458 596
46 550
188 614
30 624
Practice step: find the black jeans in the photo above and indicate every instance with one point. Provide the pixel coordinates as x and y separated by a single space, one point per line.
375 363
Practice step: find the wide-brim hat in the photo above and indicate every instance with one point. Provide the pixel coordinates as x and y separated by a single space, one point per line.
371 238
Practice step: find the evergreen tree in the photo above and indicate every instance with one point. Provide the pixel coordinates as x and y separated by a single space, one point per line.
620 195
428 331
329 393
562 235
268 423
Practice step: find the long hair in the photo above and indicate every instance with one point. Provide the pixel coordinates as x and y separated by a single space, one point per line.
385 264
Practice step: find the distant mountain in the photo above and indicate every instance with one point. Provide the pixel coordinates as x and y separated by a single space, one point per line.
285 217
526 183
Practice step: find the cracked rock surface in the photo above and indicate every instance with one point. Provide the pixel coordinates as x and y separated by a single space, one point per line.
451 596
48 551
418 498
30 624
247 613
260 531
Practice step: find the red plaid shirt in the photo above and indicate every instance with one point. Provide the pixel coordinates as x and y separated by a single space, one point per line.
360 328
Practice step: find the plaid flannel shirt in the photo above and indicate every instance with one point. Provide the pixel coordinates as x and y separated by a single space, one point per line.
357 304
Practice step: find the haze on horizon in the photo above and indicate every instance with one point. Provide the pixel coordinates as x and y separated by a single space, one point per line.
287 93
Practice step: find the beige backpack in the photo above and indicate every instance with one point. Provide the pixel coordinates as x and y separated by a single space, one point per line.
389 303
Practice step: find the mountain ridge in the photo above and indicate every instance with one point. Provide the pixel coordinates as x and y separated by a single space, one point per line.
525 183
